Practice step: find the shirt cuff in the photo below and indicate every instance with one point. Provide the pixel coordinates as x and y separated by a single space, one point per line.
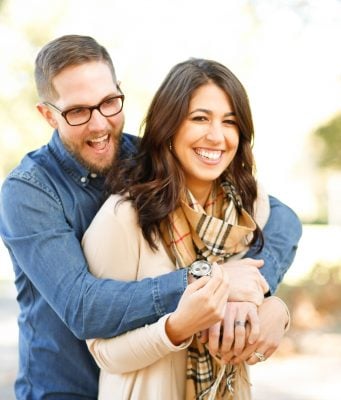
167 291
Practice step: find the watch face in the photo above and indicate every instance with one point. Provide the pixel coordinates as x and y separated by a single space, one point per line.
201 268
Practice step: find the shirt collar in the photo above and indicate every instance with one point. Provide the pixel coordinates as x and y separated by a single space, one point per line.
69 163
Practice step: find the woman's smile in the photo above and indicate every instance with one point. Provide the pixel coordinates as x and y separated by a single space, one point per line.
209 154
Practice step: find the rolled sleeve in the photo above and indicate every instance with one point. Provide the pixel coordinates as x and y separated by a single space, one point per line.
164 300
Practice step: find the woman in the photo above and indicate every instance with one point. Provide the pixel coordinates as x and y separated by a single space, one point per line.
191 195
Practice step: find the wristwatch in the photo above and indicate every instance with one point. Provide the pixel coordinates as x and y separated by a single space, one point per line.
200 268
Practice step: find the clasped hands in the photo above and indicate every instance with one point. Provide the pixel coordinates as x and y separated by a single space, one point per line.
229 313
252 327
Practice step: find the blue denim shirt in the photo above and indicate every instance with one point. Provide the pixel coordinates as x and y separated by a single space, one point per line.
47 203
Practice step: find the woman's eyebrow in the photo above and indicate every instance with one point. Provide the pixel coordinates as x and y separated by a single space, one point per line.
228 114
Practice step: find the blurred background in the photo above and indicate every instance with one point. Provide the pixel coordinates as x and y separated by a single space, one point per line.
286 55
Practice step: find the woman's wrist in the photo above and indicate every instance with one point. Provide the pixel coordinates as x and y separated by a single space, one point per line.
175 335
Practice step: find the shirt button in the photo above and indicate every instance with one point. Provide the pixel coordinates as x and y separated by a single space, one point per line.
93 175
83 179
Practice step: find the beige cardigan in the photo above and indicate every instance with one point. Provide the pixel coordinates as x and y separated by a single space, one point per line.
143 363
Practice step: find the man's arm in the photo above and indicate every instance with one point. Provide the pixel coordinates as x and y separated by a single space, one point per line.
44 246
281 233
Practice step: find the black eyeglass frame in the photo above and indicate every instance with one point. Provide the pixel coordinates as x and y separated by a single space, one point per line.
91 108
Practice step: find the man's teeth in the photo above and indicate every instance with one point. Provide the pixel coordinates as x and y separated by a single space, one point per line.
210 155
100 139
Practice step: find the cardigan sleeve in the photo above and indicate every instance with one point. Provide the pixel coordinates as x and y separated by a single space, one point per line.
135 349
114 235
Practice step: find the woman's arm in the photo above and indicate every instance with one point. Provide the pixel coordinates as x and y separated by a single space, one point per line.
201 305
135 349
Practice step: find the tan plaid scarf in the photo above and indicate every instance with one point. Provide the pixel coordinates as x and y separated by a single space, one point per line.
214 233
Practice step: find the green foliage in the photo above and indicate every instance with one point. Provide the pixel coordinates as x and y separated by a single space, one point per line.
329 136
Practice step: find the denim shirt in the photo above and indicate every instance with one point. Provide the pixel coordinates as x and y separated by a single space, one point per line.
47 203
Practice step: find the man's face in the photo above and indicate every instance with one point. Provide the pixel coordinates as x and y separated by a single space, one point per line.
94 143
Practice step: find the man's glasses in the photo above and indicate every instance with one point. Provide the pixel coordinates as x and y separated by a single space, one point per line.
81 115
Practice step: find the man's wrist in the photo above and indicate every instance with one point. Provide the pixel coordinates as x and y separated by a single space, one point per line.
190 277
288 317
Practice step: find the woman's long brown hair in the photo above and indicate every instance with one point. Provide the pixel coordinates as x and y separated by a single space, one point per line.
153 180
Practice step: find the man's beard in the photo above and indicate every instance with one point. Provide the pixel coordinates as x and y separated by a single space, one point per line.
93 167
102 171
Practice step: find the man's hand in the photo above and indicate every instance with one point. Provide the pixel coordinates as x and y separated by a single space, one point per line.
246 282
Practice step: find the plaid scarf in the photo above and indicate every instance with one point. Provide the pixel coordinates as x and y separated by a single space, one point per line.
215 233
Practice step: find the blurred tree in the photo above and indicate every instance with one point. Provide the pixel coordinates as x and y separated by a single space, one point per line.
22 33
328 137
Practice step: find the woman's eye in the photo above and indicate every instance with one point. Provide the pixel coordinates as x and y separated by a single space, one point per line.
230 122
199 118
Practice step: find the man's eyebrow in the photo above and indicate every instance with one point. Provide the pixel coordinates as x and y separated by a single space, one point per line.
85 106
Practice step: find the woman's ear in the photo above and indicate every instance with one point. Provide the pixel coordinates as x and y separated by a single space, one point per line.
47 114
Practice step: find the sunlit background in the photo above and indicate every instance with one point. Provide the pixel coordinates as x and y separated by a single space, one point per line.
287 54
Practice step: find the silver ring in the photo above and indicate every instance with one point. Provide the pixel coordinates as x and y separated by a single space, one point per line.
260 356
240 323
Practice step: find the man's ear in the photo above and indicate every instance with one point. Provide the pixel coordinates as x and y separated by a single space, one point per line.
47 114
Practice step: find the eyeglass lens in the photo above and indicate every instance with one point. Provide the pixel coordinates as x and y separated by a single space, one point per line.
107 108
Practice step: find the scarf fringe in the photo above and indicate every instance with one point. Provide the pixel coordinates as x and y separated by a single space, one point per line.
236 387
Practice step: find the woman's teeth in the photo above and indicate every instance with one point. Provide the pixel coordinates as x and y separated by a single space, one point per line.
210 155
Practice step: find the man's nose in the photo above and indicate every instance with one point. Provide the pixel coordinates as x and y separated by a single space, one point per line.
97 121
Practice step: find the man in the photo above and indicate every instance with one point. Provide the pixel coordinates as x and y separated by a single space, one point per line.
48 202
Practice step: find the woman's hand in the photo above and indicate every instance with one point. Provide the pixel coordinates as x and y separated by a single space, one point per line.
201 306
274 321
238 315
228 337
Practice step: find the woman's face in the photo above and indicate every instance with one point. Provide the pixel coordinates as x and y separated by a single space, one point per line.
207 140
